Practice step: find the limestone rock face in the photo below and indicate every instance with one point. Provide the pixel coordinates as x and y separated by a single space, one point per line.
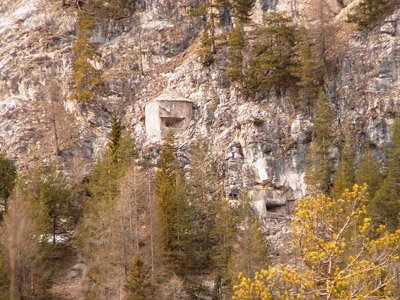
262 145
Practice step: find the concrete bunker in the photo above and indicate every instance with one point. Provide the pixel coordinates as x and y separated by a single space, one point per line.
167 111
271 202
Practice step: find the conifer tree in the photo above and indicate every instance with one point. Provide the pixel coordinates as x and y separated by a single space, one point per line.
210 10
243 9
306 72
251 250
237 41
323 33
204 190
87 79
114 144
368 12
137 284
319 164
52 200
369 172
173 212
225 232
8 175
274 61
385 206
102 225
345 174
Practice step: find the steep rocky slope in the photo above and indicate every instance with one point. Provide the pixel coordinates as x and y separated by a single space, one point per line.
263 145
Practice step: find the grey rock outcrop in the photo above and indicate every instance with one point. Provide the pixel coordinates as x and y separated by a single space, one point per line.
262 145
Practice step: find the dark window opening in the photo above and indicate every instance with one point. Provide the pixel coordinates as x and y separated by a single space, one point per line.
173 122
276 208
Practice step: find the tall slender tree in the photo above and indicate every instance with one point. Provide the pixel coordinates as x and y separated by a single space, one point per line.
87 79
385 206
319 164
369 172
173 212
235 69
345 174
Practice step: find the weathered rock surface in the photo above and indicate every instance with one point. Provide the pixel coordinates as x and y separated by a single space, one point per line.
263 145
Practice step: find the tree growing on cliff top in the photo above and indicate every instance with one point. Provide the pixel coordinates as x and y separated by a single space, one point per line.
368 12
274 60
235 69
333 237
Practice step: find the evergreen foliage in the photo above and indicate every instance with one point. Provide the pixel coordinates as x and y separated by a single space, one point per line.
173 212
137 284
87 79
98 234
207 50
385 206
114 144
307 73
8 175
235 71
4 277
225 232
251 250
274 63
369 172
368 12
243 9
54 210
319 164
203 191
345 174
209 9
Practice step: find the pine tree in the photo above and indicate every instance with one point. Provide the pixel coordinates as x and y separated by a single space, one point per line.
243 9
274 59
319 164
369 172
114 143
368 12
137 284
52 200
209 9
251 250
204 189
237 41
87 79
225 232
345 174
306 72
385 206
8 175
173 212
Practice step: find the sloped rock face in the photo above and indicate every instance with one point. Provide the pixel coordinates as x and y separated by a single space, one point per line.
262 146
366 88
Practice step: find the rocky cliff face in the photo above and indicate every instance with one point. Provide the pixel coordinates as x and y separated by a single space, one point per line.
263 145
